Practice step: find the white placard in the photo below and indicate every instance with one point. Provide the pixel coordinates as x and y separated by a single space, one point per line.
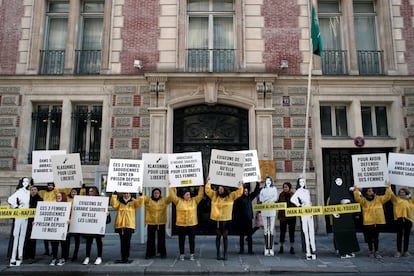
155 169
42 165
125 175
251 166
226 167
89 215
401 169
185 169
51 221
370 170
67 170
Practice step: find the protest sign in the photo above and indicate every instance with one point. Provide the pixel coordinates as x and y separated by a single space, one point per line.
401 169
155 169
251 166
226 168
185 169
51 220
67 170
370 170
125 175
42 165
89 215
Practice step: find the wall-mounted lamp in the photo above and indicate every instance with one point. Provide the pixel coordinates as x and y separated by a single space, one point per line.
138 64
284 64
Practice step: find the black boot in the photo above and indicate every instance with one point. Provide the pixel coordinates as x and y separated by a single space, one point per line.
241 251
218 248
250 245
225 244
281 249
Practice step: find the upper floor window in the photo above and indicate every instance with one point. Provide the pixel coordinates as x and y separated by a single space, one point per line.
211 39
333 120
369 57
374 120
53 53
83 54
88 55
86 132
46 124
334 57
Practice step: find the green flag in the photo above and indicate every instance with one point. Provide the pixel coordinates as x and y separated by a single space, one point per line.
316 34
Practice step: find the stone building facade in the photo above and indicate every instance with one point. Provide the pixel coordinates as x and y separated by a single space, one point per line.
265 44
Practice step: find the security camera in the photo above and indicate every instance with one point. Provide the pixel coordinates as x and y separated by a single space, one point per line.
138 64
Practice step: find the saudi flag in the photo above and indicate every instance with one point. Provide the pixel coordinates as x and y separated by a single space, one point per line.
316 34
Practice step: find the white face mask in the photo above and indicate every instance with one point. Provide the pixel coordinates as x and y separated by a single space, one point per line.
25 182
338 181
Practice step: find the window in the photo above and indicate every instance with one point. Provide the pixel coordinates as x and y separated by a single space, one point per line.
210 43
53 54
334 58
374 120
46 124
369 58
88 57
87 126
333 120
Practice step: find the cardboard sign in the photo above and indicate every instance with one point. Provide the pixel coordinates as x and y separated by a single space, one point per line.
155 169
251 166
226 168
67 170
42 165
51 220
185 169
89 215
401 169
370 170
267 168
125 175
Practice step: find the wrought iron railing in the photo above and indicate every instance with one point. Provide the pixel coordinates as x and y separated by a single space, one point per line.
370 62
214 60
88 62
52 62
334 62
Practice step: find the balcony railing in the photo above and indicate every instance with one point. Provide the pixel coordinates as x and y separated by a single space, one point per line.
334 62
370 62
52 62
215 60
88 62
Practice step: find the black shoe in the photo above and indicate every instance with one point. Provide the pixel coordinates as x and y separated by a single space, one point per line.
281 250
241 252
163 256
46 253
251 253
292 251
74 259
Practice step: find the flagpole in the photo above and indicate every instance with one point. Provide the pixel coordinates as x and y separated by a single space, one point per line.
305 150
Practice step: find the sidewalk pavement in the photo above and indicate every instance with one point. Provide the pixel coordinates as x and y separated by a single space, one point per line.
327 261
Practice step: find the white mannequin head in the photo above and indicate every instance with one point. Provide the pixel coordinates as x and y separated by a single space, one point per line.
25 182
338 181
302 182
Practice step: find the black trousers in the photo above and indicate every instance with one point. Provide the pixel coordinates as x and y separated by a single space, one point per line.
186 231
55 249
284 225
371 233
99 244
125 235
156 232
403 232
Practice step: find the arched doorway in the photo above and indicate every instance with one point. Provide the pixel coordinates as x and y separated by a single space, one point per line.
203 128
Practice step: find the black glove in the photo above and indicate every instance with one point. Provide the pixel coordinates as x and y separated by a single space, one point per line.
140 193
83 186
115 193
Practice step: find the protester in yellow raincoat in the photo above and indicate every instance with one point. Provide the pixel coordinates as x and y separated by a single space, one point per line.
404 217
373 216
156 219
221 211
186 217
